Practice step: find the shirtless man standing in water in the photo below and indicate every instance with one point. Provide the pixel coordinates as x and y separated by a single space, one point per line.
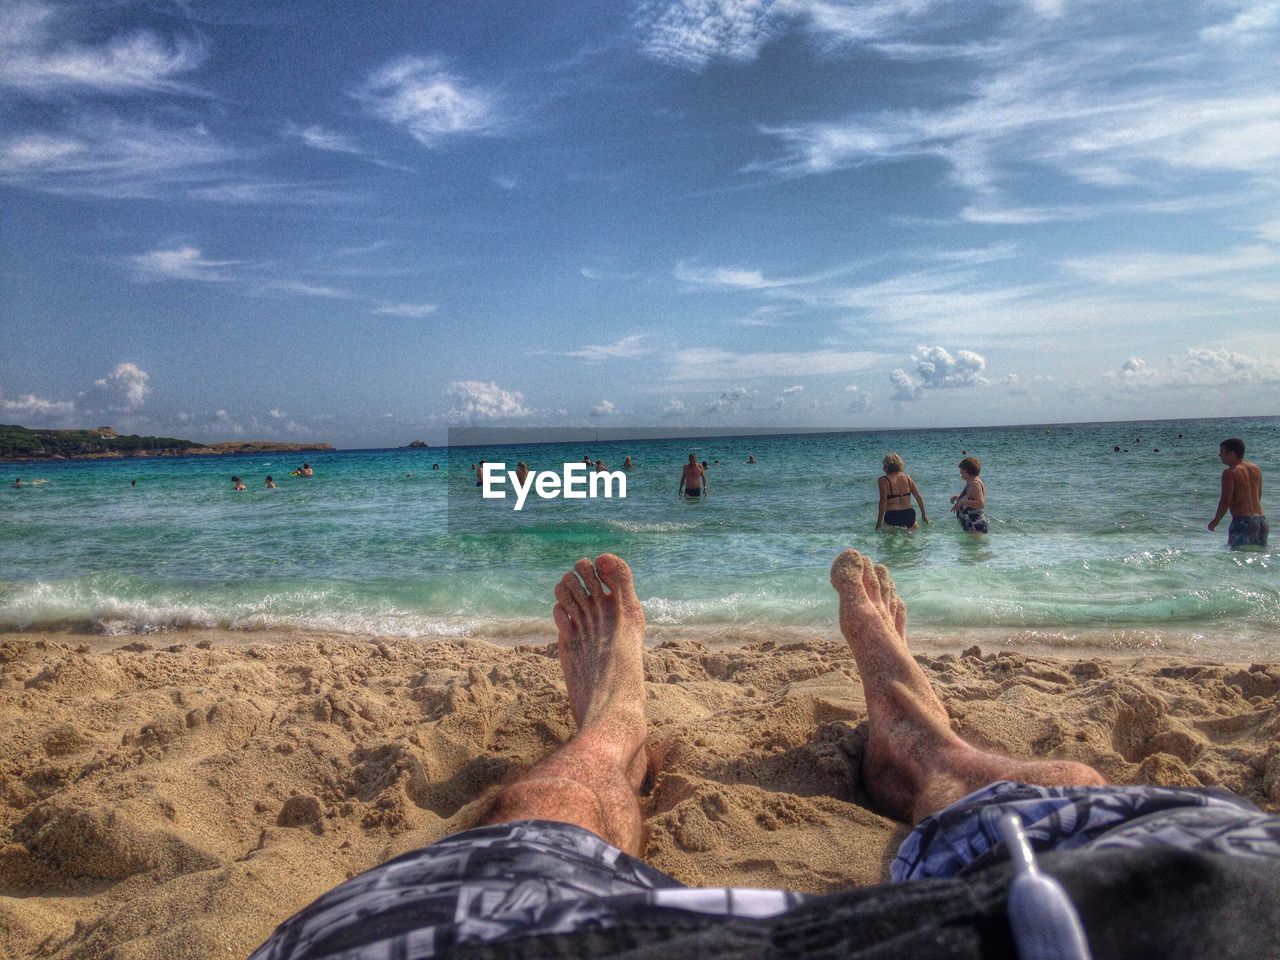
693 481
1242 495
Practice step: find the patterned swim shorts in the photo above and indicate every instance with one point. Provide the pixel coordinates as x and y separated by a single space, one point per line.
972 520
535 877
1248 532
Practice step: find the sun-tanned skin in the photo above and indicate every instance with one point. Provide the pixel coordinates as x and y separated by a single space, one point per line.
914 764
593 780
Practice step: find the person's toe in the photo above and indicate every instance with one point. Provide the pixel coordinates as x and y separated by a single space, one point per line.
569 602
846 571
615 573
587 571
562 621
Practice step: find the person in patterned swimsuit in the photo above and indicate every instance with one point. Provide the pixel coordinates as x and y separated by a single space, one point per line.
555 868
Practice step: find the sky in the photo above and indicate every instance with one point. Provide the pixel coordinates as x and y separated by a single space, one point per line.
367 223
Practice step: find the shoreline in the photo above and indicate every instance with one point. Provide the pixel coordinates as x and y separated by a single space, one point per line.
141 777
1236 644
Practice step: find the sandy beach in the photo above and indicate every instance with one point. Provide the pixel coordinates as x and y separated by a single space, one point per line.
177 796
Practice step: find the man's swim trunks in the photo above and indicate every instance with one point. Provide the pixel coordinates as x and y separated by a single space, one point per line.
693 492
901 518
536 878
1248 532
972 520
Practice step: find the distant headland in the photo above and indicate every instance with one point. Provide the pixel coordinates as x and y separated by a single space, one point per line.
20 443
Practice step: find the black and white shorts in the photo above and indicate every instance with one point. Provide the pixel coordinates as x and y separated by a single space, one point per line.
534 877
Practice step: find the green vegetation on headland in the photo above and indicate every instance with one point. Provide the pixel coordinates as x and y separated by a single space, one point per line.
19 443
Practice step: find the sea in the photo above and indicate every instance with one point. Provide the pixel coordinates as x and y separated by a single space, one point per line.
1092 551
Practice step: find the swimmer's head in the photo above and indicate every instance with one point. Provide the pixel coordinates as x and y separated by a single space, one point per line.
693 458
972 466
893 463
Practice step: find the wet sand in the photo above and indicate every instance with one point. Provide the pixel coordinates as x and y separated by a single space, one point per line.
178 795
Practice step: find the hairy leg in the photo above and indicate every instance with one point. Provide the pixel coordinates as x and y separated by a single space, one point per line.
915 764
592 780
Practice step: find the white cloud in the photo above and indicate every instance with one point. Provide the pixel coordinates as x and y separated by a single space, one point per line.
675 408
1135 370
124 388
936 368
180 263
36 57
711 364
1139 268
860 400
904 388
270 191
605 408
738 278
480 400
37 408
690 33
505 182
112 158
625 349
1015 385
731 400
304 289
1247 26
1104 104
411 310
319 138
431 104
785 394
1049 9
1203 366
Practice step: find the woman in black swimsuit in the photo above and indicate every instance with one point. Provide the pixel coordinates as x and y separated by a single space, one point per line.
896 491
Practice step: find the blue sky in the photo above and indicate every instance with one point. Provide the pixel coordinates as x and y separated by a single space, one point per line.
365 223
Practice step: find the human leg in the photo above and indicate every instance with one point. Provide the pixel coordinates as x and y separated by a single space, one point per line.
592 781
914 764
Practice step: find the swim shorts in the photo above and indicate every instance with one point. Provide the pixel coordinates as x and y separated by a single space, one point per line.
1248 532
534 877
972 520
901 518
693 492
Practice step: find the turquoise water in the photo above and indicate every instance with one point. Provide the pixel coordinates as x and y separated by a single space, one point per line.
1089 549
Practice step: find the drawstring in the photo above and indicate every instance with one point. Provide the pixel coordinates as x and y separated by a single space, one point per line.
1045 925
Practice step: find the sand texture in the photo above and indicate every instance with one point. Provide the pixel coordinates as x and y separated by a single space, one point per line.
179 797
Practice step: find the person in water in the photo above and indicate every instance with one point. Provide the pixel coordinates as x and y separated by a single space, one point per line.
17 483
1242 495
627 464
693 480
969 505
271 484
238 484
522 471
896 491
751 458
554 868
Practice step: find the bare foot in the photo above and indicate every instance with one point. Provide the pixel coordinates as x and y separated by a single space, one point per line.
910 735
601 650
914 764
